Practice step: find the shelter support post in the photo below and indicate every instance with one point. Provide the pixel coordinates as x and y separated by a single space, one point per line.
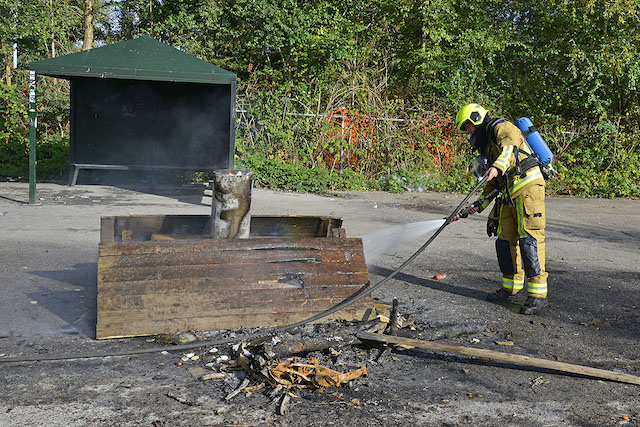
33 124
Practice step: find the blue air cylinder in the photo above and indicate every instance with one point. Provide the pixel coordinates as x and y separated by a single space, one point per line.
535 141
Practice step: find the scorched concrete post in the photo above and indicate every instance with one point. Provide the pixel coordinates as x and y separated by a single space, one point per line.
231 204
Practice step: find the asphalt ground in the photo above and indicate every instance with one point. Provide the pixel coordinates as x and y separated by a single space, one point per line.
48 255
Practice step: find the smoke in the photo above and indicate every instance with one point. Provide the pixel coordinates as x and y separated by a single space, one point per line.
384 241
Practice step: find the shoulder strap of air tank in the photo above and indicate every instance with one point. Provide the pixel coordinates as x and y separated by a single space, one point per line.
493 123
491 127
529 131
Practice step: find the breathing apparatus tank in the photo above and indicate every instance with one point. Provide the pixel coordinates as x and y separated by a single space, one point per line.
537 144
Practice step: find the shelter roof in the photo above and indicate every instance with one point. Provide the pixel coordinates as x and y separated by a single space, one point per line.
143 58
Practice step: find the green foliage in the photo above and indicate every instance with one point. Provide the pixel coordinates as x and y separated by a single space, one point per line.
14 123
603 160
14 159
52 154
53 157
276 173
408 180
52 147
319 80
41 28
14 132
578 60
394 154
53 107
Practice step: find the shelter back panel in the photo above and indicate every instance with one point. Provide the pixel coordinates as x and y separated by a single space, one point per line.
132 122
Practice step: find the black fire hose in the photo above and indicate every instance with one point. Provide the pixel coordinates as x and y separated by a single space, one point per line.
360 294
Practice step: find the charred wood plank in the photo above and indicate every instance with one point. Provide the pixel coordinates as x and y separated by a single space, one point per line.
352 281
122 327
214 301
210 245
503 357
210 257
249 272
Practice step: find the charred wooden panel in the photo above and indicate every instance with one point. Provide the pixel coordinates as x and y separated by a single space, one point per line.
293 226
199 226
164 286
151 325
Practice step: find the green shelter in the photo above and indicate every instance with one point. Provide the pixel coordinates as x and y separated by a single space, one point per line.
143 105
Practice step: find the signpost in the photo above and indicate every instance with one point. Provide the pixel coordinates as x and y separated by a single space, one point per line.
33 124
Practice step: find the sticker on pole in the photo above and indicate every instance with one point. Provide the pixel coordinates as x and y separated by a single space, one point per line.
32 86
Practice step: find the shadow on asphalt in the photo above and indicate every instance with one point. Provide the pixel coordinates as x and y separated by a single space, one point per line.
21 202
572 232
587 299
191 194
77 307
432 284
169 186
606 300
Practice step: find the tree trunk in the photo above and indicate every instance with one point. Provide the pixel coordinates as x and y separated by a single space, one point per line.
87 42
6 55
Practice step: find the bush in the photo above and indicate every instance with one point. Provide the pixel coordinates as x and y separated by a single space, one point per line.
14 133
602 160
53 157
275 173
52 150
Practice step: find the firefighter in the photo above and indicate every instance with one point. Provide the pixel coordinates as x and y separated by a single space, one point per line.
518 216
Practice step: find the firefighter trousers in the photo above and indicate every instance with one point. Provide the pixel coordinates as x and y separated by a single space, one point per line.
520 245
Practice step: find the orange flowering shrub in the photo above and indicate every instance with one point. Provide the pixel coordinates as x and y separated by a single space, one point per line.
351 140
436 136
347 138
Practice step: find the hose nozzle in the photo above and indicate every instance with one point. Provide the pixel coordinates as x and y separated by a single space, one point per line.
458 216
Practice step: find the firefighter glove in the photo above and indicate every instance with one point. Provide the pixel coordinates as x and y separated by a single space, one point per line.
492 227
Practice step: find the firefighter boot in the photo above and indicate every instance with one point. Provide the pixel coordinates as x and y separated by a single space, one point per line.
501 295
533 305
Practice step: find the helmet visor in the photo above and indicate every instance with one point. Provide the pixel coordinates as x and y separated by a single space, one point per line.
480 166
463 126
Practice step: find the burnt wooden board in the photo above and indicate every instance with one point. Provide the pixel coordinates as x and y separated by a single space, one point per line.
168 286
142 227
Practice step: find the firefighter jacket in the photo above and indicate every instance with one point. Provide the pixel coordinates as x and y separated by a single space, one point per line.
505 142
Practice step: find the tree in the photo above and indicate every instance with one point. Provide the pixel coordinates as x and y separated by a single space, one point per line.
576 60
87 41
